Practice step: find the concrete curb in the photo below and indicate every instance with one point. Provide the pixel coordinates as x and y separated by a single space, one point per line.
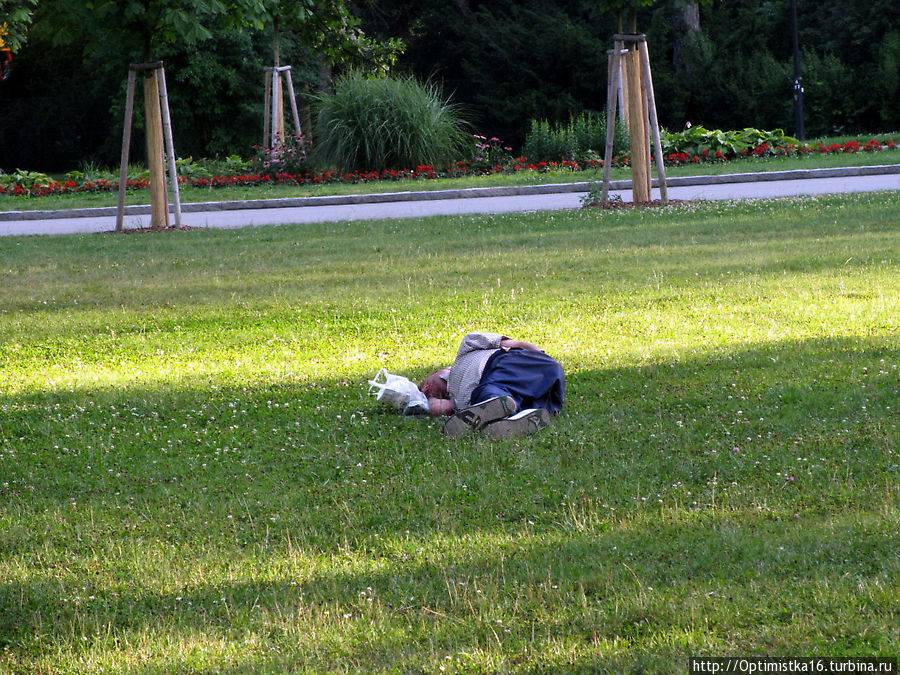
467 193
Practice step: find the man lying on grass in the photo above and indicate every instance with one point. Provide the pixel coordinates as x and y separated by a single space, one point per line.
498 386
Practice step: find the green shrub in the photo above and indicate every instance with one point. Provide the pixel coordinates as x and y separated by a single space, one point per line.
698 140
232 165
888 81
375 123
188 168
582 136
90 171
543 143
24 178
831 93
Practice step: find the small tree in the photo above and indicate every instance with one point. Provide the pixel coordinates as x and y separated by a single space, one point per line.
627 10
327 27
136 29
637 97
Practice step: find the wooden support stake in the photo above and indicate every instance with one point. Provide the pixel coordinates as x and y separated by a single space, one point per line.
645 117
620 92
267 106
126 142
280 110
296 114
654 123
159 209
170 143
276 104
614 73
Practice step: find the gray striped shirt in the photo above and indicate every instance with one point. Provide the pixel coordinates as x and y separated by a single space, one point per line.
472 357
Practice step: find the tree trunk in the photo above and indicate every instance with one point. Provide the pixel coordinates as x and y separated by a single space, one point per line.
640 147
325 76
159 207
277 92
276 47
690 15
687 21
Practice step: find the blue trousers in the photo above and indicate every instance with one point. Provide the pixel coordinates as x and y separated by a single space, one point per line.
533 379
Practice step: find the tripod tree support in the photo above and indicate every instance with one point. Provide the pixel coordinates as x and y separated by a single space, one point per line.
273 118
159 143
640 111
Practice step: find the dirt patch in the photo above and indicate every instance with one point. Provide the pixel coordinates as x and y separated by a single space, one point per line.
619 204
150 230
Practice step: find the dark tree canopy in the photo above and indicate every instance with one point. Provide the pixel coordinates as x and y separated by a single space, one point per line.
723 64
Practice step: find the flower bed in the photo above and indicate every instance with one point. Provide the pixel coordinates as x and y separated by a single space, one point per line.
475 167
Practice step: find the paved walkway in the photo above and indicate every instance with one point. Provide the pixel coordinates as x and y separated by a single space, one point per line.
454 202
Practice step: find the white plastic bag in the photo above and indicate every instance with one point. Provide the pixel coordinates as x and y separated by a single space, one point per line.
398 391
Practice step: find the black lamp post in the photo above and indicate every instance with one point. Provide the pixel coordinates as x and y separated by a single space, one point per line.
798 81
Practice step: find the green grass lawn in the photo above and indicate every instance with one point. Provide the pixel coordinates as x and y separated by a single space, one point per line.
192 194
194 479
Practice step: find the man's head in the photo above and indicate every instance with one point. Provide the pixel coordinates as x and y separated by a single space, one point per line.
435 385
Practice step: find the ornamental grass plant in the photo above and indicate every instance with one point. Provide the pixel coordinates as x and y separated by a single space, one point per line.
388 122
193 478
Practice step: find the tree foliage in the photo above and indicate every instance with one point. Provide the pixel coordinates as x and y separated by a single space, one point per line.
15 20
629 8
101 26
507 62
64 103
327 26
133 27
512 62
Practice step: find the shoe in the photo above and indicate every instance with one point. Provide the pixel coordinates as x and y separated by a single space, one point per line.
475 417
524 423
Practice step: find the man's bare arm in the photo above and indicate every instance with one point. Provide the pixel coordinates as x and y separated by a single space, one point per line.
440 406
508 344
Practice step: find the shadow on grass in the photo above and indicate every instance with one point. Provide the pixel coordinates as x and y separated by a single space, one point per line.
665 495
752 585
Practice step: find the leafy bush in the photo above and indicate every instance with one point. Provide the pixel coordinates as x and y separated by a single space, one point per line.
89 171
375 123
23 178
698 140
232 165
206 167
185 166
888 81
581 137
